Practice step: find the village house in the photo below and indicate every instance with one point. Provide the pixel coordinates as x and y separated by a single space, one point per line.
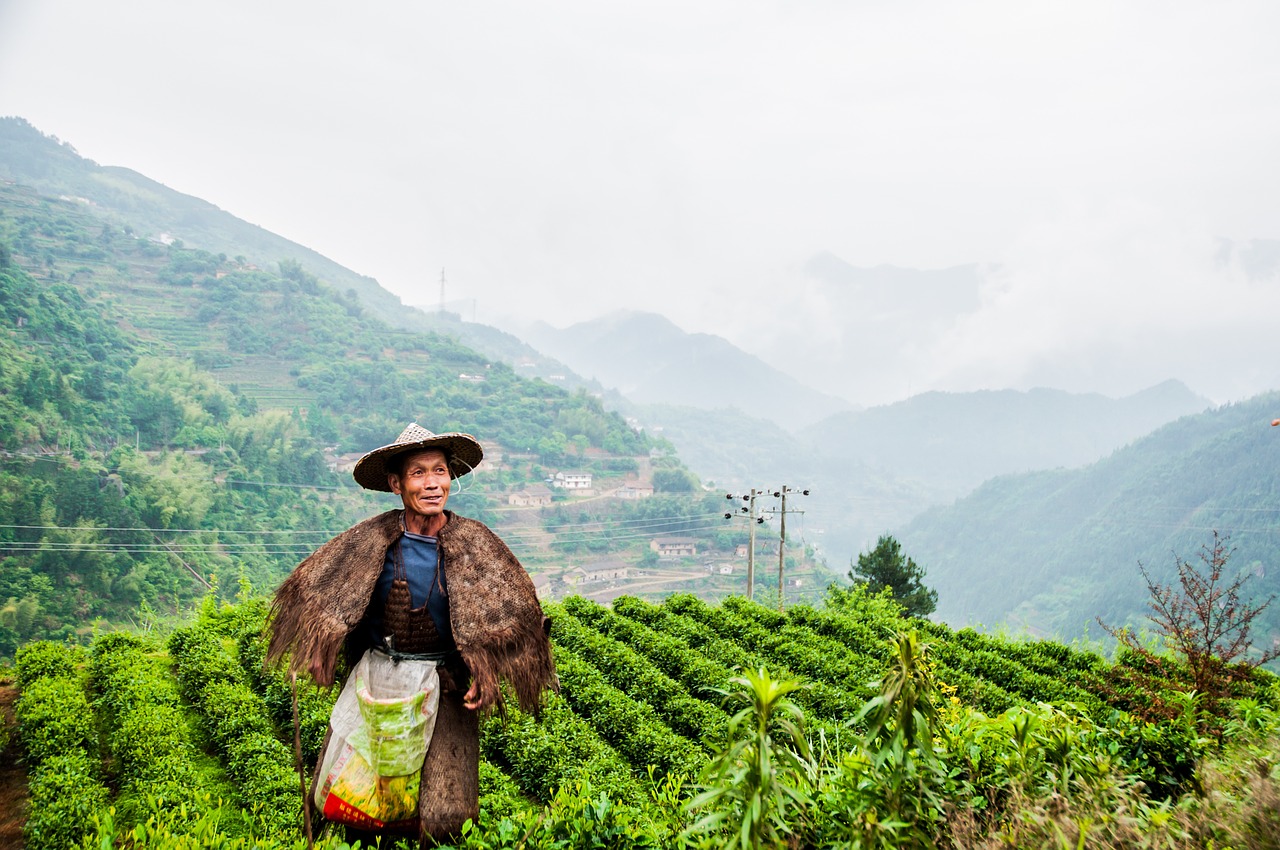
343 463
542 585
535 495
633 491
604 571
572 480
674 547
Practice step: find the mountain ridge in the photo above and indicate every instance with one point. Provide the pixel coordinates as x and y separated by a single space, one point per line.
1052 549
976 435
651 360
31 158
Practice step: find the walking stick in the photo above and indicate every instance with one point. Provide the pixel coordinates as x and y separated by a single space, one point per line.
297 756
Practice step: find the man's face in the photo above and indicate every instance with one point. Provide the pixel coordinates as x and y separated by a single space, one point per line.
423 483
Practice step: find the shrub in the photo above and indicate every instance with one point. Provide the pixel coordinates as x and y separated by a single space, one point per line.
237 722
44 660
54 720
65 796
754 791
556 749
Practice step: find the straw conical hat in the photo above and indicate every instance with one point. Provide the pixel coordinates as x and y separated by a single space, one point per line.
463 451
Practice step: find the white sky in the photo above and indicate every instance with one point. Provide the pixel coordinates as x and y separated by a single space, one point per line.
564 159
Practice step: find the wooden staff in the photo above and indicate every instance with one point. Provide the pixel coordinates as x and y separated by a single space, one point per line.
297 756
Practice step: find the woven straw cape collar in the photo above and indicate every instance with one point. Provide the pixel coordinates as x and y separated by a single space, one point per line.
462 450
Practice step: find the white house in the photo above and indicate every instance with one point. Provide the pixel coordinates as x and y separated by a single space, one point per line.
674 547
572 480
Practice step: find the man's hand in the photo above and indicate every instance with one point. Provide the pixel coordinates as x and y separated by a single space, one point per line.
319 675
474 699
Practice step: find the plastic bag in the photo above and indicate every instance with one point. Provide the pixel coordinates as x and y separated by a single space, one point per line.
381 728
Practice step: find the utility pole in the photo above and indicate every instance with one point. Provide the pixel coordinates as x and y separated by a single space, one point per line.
752 521
442 292
751 548
782 535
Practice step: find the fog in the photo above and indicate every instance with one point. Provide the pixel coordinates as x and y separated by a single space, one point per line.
561 160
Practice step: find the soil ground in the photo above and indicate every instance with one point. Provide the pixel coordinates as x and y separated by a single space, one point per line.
13 777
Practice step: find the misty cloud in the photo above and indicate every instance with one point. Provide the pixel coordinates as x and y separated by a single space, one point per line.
1115 300
567 159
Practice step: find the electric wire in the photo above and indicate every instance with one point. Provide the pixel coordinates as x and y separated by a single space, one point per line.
637 522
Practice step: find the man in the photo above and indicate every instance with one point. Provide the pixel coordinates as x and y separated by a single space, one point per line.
422 582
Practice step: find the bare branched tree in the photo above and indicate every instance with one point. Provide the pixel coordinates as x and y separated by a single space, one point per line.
1205 618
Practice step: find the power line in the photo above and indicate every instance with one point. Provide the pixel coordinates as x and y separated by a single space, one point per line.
515 538
172 530
33 547
748 512
640 522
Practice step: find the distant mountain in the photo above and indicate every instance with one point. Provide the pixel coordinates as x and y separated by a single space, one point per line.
1050 550
849 502
650 360
874 470
508 348
152 209
952 442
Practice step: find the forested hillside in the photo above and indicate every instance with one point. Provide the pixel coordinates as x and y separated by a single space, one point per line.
949 443
1053 550
54 168
172 418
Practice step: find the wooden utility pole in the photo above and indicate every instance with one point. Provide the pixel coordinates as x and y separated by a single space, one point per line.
751 547
782 546
750 516
782 537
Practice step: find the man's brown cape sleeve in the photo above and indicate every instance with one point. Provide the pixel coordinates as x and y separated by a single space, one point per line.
494 610
326 596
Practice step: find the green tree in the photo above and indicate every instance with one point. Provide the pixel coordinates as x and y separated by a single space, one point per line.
886 566
672 481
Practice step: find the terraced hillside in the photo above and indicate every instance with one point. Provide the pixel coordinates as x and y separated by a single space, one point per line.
252 328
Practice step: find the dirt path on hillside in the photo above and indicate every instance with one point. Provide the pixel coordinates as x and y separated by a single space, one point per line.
13 777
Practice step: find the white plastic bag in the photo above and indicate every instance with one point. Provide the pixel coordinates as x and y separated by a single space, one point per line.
381 728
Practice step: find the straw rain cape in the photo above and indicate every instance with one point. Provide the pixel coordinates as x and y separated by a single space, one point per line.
497 622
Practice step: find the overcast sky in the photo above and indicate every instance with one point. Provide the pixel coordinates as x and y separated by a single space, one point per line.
563 159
